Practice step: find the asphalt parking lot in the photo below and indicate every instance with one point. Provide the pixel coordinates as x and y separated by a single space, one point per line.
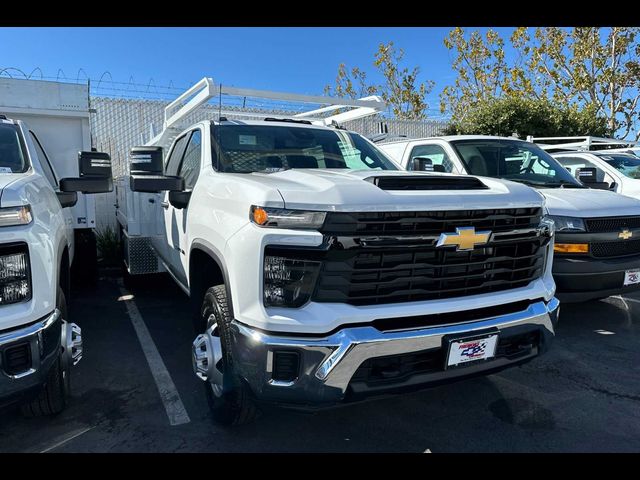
584 395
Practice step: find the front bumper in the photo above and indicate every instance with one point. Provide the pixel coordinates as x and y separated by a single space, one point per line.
28 353
328 363
579 279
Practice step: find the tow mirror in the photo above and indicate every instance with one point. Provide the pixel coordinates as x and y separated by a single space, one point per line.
67 199
145 164
95 174
179 200
422 164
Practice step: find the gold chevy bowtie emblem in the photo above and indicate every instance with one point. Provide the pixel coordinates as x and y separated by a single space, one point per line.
625 234
465 238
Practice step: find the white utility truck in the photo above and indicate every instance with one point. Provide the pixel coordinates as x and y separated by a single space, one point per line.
38 160
321 273
597 244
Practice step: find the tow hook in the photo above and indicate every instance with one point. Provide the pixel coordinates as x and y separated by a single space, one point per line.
72 343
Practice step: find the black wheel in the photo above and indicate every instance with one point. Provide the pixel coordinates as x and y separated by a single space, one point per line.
85 262
52 399
228 398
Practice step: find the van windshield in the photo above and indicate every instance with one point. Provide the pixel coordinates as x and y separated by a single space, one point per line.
269 148
628 165
11 153
514 160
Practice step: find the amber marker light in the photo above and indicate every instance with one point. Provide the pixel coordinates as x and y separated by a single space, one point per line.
259 215
571 248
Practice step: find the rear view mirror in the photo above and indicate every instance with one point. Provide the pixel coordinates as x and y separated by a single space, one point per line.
422 164
67 199
586 175
95 174
156 183
145 165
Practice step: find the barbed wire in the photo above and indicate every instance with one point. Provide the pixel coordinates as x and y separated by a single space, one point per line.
106 86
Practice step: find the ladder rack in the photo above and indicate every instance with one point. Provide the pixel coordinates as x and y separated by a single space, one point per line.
585 143
202 92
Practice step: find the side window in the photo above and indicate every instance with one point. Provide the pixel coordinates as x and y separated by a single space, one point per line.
436 153
173 162
190 166
44 161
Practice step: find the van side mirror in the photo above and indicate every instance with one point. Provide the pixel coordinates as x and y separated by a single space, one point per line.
95 174
147 173
422 164
586 175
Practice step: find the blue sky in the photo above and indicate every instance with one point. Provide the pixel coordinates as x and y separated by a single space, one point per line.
301 60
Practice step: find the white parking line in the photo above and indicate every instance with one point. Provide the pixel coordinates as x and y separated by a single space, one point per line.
67 438
168 393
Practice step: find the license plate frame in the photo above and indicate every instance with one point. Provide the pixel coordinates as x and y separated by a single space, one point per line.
489 339
631 277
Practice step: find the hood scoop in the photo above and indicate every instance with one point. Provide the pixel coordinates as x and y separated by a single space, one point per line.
426 182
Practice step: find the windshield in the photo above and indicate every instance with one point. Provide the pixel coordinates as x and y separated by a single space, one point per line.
11 153
628 165
267 148
514 160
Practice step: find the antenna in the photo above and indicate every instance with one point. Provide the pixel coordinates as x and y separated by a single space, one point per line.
220 101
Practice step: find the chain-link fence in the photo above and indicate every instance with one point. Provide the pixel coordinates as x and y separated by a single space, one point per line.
117 124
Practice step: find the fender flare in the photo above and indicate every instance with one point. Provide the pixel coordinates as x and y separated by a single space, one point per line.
216 256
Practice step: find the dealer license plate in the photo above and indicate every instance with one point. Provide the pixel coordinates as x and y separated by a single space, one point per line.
631 277
470 350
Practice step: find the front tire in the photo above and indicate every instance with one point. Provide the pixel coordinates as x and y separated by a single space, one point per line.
52 399
228 398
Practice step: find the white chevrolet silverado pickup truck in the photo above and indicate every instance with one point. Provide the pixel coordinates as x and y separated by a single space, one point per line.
320 273
37 343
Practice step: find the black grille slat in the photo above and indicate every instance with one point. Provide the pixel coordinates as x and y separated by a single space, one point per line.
428 223
362 275
611 224
615 249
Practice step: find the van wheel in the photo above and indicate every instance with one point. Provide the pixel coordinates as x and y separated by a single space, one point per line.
52 399
228 398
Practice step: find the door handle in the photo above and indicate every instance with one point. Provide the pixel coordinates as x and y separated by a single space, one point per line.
164 205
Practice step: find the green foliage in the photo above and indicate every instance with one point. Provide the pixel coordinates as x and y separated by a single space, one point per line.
522 116
108 243
401 89
583 68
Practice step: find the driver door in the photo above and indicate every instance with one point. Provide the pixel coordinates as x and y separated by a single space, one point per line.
175 219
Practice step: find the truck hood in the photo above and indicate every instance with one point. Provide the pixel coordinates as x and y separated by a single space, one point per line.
7 179
354 190
586 203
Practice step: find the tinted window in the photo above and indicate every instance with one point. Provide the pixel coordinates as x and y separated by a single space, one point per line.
513 160
173 162
44 161
190 167
12 158
435 153
267 148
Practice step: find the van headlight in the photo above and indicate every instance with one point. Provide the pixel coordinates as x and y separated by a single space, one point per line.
14 216
568 224
15 279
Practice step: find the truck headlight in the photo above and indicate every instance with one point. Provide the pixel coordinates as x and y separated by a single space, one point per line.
284 218
568 224
15 281
288 282
13 216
